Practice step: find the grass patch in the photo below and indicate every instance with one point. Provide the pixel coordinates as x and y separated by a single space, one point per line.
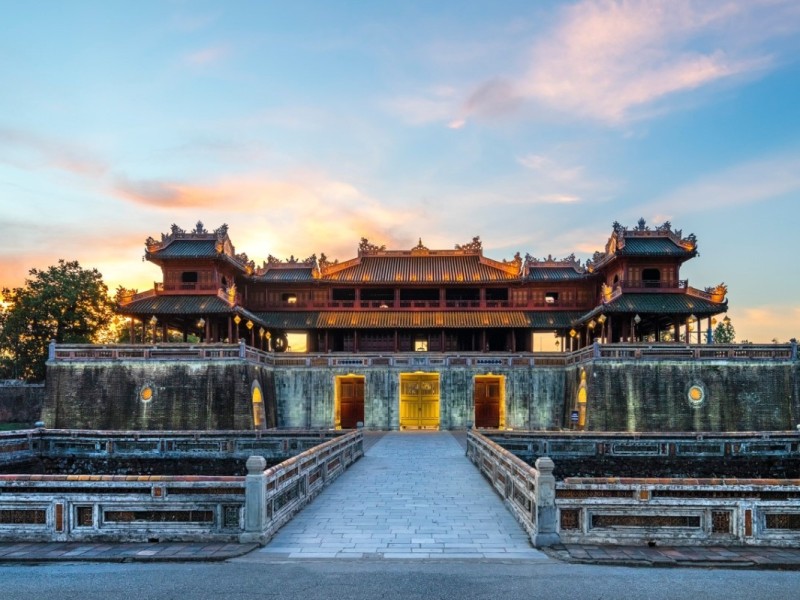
14 426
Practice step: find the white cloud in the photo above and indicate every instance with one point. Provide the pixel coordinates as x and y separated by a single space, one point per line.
552 169
615 60
608 58
746 183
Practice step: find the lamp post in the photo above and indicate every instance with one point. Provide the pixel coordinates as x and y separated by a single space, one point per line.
201 324
710 332
237 319
153 323
573 334
636 320
602 320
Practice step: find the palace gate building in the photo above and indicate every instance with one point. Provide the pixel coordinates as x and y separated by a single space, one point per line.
417 337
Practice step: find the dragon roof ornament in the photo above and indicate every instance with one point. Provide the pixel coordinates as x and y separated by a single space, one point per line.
474 246
567 261
223 244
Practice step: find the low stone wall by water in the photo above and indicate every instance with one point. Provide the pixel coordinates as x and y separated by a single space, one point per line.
112 507
644 510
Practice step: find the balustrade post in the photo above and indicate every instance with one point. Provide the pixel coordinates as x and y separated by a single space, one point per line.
241 348
51 350
793 343
546 512
255 500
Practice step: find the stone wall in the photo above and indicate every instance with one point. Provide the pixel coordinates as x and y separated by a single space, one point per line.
688 395
306 396
184 395
622 395
21 402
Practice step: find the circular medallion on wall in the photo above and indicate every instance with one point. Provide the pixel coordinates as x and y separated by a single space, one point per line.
696 394
146 393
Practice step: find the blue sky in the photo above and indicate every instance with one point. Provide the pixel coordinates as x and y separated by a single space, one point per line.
308 125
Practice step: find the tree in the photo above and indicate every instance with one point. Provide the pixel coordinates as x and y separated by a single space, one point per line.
64 303
724 333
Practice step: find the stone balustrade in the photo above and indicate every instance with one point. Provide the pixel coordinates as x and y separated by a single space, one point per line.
529 493
276 494
85 507
597 351
731 510
706 511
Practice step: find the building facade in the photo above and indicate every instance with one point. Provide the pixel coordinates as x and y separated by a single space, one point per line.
385 301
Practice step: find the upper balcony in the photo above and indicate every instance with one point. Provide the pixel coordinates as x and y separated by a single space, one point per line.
353 305
646 285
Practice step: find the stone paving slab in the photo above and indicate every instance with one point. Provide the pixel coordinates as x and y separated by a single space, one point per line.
413 495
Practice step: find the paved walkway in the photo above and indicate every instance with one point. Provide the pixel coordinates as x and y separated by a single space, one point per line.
413 495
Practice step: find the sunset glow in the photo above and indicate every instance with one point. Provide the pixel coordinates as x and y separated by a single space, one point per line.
307 126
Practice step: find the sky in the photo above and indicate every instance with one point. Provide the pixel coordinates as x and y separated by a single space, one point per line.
307 125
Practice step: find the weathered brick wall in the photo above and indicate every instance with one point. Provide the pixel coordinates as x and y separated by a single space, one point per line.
534 397
622 396
20 402
654 396
189 395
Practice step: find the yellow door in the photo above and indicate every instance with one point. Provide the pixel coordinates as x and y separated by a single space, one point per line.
419 401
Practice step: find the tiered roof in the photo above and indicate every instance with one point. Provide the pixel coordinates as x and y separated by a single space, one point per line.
196 243
645 242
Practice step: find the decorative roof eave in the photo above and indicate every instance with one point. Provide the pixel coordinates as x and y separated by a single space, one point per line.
671 304
275 264
167 306
513 268
223 245
550 262
616 242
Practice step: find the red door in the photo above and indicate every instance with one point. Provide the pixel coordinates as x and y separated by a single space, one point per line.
351 401
487 402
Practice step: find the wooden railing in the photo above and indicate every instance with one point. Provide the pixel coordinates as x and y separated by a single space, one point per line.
528 492
645 284
351 305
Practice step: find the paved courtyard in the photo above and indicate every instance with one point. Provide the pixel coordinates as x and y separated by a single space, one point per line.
413 495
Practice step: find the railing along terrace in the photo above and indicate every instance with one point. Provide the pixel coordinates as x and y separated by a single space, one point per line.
98 444
528 492
350 305
646 284
276 494
84 507
597 351
17 446
586 445
685 511
120 507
